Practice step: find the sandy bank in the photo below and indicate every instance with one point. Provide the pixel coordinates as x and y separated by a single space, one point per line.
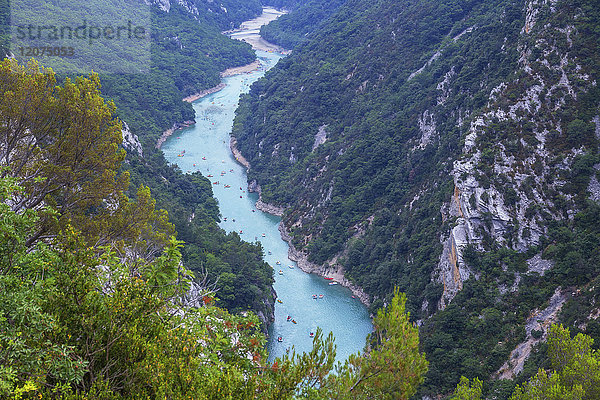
193 97
237 154
169 132
253 66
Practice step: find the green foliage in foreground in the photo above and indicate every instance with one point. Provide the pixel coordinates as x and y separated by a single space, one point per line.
575 373
80 322
83 318
82 165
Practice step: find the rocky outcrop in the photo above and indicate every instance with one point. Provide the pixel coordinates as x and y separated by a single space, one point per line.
427 128
320 137
539 321
169 132
165 5
502 191
130 141
239 157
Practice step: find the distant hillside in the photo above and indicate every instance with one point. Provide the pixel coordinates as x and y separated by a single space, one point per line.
188 53
449 148
304 18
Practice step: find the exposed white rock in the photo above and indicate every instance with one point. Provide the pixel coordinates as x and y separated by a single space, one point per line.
524 164
320 137
130 140
189 6
594 186
539 265
164 5
540 321
427 128
443 86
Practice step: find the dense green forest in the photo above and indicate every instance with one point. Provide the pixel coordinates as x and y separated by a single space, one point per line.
402 126
398 129
187 53
95 301
291 29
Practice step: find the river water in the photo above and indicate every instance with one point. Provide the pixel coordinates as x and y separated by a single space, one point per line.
204 147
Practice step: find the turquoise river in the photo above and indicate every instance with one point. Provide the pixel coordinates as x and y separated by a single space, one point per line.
206 146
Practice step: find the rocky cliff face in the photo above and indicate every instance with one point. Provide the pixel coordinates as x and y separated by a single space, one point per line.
510 200
434 147
130 141
228 13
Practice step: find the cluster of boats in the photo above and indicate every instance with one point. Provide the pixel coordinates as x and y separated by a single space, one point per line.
331 281
293 321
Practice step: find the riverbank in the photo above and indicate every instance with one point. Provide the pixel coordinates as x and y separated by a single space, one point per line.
176 126
237 154
193 97
336 272
244 69
301 258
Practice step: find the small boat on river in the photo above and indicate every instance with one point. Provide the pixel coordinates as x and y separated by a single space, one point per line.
332 283
328 279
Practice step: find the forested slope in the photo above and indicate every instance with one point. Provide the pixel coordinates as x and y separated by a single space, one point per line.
421 144
187 53
303 18
95 301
